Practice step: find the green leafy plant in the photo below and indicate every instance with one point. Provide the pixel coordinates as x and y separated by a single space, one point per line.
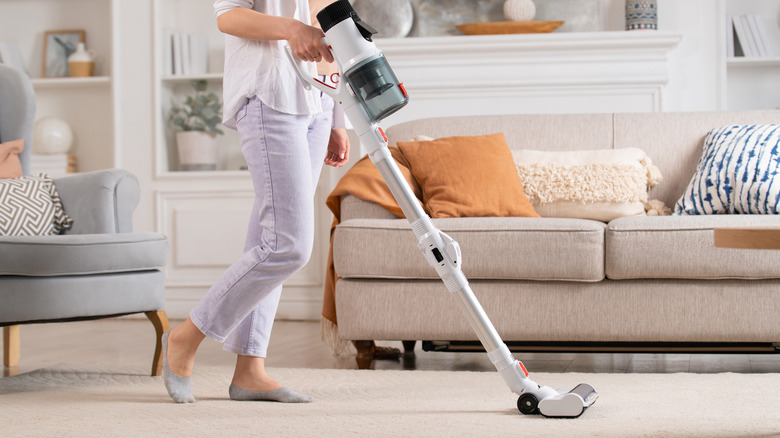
199 112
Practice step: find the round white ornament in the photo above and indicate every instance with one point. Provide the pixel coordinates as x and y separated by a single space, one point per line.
519 10
52 136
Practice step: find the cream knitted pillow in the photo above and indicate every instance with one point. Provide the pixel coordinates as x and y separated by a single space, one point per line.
598 184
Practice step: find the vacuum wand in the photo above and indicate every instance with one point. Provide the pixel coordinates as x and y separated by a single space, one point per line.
369 91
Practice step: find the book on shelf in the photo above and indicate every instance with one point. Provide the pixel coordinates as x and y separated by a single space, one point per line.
184 53
748 37
55 165
759 30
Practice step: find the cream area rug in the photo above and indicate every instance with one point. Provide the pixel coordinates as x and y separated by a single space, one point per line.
110 403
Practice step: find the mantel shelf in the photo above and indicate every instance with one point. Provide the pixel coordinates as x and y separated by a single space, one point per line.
544 43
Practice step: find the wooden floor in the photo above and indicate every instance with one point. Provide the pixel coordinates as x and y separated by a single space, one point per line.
297 344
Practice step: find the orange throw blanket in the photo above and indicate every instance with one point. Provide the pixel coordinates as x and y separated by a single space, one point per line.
362 181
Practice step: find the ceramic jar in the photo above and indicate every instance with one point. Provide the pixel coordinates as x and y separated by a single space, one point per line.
81 63
641 15
519 10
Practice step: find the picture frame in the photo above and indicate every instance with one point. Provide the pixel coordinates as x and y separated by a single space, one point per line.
57 46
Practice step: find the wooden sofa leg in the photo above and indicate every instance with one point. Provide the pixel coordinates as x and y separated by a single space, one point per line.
409 347
161 325
11 346
365 353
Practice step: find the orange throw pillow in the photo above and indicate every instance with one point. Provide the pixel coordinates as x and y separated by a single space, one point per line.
467 177
10 166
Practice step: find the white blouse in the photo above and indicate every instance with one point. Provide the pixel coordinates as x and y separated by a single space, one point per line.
261 68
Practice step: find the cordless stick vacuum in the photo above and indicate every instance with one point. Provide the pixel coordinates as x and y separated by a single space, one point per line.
372 92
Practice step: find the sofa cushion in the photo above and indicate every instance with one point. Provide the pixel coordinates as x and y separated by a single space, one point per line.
601 184
683 247
737 172
79 254
492 248
467 176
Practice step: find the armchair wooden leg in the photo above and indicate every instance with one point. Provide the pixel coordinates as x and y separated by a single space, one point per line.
161 325
11 346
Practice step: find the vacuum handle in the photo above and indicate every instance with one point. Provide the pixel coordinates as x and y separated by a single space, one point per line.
312 82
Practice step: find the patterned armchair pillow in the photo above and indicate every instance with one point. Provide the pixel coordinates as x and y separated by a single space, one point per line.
31 206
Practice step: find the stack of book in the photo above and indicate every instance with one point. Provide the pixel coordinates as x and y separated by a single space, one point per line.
55 165
184 54
747 37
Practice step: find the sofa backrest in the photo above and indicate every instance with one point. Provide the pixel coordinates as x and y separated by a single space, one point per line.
672 140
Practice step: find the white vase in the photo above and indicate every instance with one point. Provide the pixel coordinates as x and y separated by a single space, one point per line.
519 10
198 150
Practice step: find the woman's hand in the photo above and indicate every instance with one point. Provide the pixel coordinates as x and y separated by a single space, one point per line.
306 43
338 148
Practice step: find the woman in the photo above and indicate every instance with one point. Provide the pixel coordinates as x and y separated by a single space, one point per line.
285 134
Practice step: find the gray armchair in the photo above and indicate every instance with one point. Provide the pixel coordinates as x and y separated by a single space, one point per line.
98 268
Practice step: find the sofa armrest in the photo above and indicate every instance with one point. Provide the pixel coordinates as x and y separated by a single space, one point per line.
99 202
356 208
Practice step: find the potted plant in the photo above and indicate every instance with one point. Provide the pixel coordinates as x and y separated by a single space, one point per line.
197 119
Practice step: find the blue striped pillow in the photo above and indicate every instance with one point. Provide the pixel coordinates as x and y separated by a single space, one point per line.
737 173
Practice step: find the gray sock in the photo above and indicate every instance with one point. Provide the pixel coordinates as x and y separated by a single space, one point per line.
178 387
283 395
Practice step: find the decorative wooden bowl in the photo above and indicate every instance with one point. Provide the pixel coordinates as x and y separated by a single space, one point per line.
508 27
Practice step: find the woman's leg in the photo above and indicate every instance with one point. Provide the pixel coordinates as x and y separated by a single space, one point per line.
277 152
250 371
276 149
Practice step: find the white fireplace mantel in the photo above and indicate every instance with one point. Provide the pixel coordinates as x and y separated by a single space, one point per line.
531 73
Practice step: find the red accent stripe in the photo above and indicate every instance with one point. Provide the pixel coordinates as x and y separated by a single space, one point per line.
522 367
403 89
323 83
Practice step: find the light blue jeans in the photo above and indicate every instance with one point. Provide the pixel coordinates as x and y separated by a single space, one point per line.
284 153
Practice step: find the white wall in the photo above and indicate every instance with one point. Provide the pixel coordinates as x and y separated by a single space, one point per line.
694 80
133 81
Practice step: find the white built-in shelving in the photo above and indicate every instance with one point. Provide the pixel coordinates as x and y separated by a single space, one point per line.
87 104
750 82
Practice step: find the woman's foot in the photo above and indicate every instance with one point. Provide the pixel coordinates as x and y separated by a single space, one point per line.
282 395
179 347
251 382
178 387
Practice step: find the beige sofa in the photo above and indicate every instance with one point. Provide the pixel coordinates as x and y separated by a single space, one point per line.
650 283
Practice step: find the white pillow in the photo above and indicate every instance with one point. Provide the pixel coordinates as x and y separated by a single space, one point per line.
599 184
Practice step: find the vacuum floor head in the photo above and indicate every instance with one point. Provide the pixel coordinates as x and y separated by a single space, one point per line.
564 403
